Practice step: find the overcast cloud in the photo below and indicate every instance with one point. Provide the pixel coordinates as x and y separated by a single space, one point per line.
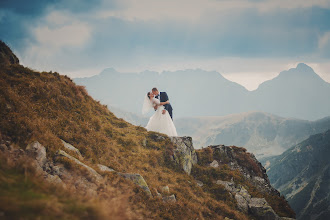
246 41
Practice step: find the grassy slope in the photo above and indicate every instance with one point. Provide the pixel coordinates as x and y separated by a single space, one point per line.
48 106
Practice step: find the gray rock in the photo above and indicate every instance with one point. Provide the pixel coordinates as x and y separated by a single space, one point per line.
71 148
105 168
262 210
184 153
61 154
166 190
229 186
199 183
242 204
138 180
144 142
170 198
37 152
214 164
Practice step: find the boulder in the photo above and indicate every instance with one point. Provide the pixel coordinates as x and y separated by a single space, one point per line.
166 190
260 208
71 148
242 204
184 153
92 172
170 198
229 186
138 180
199 183
105 168
38 152
214 164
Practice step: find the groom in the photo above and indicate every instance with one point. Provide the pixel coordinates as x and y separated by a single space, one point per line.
162 96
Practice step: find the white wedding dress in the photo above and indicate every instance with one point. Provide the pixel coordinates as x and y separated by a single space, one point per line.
161 123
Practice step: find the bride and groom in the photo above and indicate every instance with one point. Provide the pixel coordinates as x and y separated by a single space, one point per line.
161 121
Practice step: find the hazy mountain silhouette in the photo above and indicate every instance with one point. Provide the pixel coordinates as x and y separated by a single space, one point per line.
191 92
298 92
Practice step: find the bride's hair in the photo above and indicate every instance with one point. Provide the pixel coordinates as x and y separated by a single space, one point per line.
148 94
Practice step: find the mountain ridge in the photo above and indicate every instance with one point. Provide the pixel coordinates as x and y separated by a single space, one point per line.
263 134
298 92
302 174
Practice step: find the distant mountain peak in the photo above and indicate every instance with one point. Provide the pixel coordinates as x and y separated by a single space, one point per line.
303 66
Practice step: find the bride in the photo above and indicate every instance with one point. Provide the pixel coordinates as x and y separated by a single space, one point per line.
158 122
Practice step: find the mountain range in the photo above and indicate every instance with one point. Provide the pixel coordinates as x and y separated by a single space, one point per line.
302 175
263 134
298 92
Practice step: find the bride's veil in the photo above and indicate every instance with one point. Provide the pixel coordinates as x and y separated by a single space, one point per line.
147 105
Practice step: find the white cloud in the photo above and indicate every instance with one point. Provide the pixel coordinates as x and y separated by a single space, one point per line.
324 41
193 10
74 35
59 34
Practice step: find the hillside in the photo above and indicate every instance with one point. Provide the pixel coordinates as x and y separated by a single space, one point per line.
295 93
302 174
65 155
261 133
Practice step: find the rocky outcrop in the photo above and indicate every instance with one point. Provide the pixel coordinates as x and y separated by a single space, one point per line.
54 170
71 148
258 207
7 57
184 153
240 193
238 159
38 153
61 154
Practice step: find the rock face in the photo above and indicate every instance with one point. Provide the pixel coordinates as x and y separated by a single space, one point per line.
246 163
184 153
258 207
241 194
7 57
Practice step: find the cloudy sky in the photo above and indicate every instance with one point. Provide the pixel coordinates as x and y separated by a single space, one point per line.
248 41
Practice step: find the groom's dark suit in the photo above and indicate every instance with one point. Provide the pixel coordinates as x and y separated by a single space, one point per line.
163 98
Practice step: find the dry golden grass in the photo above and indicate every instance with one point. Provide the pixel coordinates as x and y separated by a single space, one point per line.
25 195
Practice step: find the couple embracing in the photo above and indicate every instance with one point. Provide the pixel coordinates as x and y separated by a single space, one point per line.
161 121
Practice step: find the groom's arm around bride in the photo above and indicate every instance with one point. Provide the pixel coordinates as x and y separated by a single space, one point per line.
163 98
168 107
